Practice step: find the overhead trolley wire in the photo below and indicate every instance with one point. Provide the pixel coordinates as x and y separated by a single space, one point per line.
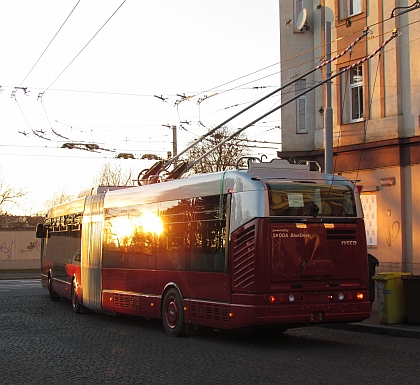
85 46
366 29
379 49
50 42
239 77
170 161
27 121
151 175
413 7
201 92
370 114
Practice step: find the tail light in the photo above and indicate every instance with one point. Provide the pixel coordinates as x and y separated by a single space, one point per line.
281 298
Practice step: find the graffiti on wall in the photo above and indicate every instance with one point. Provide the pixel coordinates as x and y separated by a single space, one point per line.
33 246
6 250
393 232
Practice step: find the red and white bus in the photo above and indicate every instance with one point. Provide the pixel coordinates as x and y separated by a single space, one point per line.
276 244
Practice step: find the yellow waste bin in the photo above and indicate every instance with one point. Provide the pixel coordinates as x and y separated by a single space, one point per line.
391 297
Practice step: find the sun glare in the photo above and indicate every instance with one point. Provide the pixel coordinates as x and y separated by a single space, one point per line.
124 228
151 223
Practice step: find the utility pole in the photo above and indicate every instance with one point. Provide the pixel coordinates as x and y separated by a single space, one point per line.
328 136
174 144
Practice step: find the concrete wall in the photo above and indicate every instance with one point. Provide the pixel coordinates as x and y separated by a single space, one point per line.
398 216
19 250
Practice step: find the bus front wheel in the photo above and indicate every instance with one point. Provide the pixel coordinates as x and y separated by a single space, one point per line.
173 314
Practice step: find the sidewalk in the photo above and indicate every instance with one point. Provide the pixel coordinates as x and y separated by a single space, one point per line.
20 274
371 325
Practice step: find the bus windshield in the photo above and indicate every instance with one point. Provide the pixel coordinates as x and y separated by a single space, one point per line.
310 199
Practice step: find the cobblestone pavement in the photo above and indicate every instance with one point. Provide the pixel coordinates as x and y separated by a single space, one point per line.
45 342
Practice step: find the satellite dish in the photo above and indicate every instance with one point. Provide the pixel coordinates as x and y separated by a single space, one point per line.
301 19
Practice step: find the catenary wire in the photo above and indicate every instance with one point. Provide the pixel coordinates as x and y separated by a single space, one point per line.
50 42
85 45
404 26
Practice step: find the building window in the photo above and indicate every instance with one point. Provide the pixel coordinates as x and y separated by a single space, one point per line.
301 127
352 95
350 8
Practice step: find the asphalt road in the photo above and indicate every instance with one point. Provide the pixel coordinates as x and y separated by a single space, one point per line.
21 287
45 342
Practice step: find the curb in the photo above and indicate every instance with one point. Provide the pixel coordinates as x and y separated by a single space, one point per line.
379 329
20 274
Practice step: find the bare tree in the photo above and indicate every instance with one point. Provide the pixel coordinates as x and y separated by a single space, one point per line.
9 196
58 198
224 157
113 175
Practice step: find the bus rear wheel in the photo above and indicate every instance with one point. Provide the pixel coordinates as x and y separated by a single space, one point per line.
77 308
173 314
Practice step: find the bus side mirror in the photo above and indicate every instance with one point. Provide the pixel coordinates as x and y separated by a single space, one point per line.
40 230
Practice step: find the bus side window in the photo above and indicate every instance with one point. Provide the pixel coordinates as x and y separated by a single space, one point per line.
199 261
209 233
219 260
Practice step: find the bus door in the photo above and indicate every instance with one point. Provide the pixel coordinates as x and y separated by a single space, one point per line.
93 220
209 278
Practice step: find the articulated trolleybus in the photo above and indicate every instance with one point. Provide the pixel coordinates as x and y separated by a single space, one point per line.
275 244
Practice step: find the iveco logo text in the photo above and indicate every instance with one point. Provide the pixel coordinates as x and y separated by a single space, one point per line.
348 243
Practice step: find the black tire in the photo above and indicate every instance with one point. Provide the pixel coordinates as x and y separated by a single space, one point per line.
53 295
76 306
173 314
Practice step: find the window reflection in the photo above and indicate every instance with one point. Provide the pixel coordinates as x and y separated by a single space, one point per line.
311 200
174 235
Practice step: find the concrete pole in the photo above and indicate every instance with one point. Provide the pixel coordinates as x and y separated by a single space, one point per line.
328 131
174 144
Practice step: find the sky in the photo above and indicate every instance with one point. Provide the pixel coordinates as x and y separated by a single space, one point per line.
119 74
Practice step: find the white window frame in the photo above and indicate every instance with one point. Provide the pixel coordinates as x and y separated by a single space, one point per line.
301 109
352 95
350 8
356 94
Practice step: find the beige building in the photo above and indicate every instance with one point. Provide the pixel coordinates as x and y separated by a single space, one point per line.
375 109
